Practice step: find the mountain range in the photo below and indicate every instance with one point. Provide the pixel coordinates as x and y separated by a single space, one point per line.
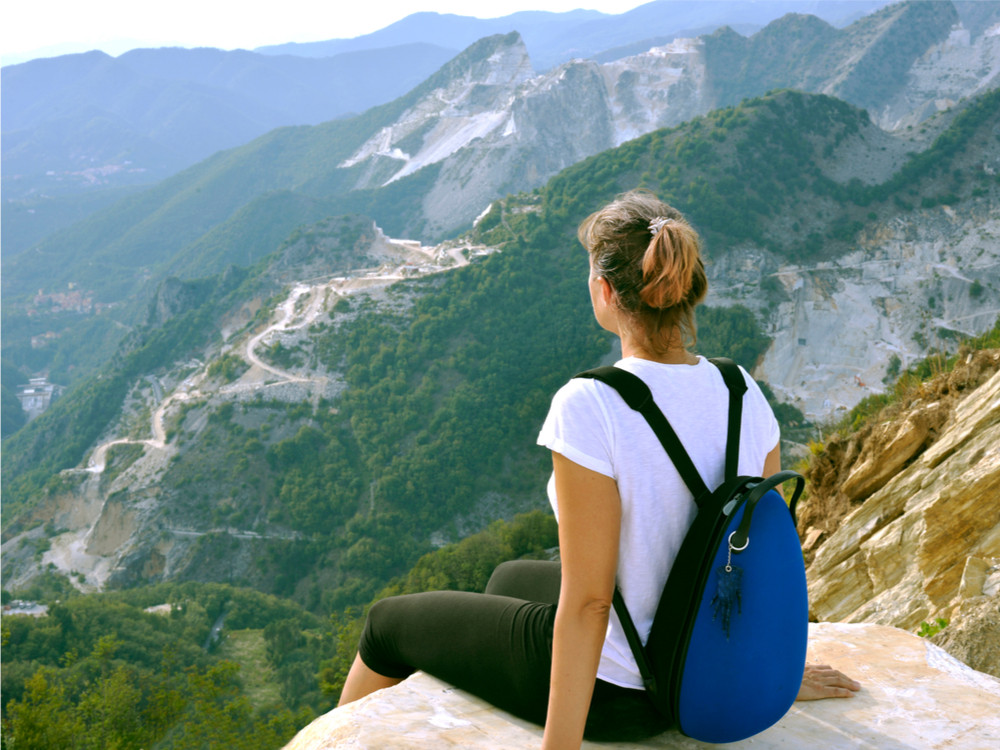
554 38
299 369
808 204
330 421
484 125
79 130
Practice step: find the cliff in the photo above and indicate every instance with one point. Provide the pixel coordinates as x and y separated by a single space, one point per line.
905 515
900 528
913 695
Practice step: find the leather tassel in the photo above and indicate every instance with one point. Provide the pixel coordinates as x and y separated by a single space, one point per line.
727 595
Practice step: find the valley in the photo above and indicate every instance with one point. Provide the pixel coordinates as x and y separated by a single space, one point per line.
97 533
276 411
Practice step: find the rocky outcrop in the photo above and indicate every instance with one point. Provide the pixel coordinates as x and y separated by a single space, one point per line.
495 127
967 61
972 634
913 695
924 544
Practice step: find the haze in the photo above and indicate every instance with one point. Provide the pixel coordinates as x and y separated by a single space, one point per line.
46 28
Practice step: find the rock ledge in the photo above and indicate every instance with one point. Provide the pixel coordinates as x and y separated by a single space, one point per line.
914 695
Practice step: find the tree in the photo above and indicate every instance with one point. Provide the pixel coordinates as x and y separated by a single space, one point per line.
45 718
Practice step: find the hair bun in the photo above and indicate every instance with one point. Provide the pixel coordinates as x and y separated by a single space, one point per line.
669 264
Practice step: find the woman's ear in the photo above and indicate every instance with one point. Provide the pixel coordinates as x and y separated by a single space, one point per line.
607 292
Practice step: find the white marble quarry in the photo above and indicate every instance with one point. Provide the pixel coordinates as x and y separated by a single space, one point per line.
914 695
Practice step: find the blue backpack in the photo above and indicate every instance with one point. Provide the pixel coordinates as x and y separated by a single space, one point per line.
727 648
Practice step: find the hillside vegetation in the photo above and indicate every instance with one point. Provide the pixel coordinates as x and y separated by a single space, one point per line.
412 420
444 395
197 222
202 665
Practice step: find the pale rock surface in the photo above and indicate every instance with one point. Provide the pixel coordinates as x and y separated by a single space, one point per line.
913 696
872 474
950 70
929 538
496 128
884 289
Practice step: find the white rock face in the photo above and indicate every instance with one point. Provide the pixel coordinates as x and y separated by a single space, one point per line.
657 89
497 128
469 106
498 124
844 320
955 68
913 696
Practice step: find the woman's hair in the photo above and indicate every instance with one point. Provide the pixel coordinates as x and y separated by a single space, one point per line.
651 257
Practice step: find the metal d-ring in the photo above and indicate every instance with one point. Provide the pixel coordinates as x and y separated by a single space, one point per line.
738 549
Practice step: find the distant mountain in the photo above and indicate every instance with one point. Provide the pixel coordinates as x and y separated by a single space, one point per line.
501 131
81 124
124 245
485 125
374 422
555 38
427 164
902 63
82 121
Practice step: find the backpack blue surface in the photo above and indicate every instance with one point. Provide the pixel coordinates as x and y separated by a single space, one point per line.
735 684
726 651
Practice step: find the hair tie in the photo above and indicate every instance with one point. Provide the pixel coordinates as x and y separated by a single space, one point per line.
658 223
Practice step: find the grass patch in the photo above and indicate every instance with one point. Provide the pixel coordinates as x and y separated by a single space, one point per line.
922 371
248 649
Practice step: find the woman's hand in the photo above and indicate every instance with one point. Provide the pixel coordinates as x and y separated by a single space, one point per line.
821 681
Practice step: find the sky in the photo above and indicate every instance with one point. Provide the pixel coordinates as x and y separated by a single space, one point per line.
43 28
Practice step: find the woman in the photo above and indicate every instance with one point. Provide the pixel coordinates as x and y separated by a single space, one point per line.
538 643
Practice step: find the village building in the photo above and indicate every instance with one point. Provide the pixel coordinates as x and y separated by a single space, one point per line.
37 395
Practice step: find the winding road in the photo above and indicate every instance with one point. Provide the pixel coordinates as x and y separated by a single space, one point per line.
290 315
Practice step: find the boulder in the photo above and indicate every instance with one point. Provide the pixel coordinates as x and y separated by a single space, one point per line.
913 695
925 541
894 444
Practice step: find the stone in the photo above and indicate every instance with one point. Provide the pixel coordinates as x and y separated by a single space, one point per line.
974 577
900 558
973 635
913 695
896 445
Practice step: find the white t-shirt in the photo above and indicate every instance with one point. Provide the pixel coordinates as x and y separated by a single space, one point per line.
591 425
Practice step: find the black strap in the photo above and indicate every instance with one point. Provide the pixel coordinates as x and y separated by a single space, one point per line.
737 387
742 533
634 641
638 396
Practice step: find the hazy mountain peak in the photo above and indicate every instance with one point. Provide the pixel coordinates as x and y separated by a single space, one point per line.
498 59
468 98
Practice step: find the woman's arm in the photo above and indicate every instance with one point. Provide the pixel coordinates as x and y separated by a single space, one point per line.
589 527
772 462
819 680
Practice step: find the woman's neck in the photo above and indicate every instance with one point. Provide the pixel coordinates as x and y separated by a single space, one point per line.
672 355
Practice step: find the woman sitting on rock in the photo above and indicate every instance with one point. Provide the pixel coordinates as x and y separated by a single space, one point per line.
538 642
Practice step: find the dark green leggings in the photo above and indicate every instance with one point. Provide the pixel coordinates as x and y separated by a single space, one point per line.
496 645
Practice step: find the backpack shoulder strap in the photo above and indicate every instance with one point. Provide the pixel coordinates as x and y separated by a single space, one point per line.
737 387
638 396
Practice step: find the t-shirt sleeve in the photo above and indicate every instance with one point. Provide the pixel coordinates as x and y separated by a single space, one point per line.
578 427
769 431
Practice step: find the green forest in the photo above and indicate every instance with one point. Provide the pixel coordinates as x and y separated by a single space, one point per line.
444 393
202 665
